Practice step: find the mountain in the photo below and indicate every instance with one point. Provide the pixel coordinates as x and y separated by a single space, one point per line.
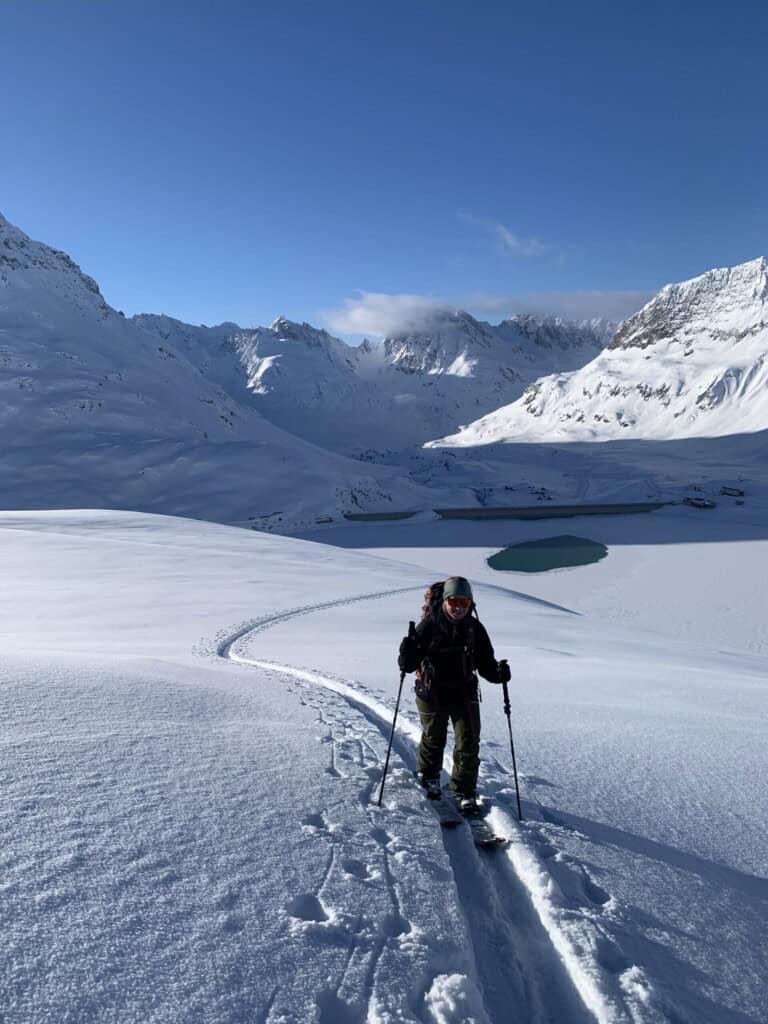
455 367
282 425
691 363
388 395
72 365
100 411
298 377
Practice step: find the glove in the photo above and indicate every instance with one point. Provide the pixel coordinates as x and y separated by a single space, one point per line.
503 672
407 653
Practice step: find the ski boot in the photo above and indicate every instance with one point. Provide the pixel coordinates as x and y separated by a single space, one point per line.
468 805
430 785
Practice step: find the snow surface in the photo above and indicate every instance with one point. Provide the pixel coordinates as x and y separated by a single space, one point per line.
195 719
195 716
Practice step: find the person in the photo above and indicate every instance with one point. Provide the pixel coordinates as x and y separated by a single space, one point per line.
448 649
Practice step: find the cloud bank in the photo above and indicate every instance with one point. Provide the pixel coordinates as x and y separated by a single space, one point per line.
377 314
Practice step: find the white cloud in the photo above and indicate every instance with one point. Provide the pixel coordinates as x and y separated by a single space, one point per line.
377 314
520 246
509 239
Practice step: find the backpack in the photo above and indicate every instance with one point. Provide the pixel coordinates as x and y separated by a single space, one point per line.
433 598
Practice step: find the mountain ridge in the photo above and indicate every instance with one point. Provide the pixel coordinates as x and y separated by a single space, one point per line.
279 424
693 362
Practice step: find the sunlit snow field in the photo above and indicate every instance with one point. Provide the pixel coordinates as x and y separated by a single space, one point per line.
194 723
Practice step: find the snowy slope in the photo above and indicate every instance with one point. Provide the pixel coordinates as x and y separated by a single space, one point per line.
386 395
72 365
191 754
97 410
298 377
454 366
691 363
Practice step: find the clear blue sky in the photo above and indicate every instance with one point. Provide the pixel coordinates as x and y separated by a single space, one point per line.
238 160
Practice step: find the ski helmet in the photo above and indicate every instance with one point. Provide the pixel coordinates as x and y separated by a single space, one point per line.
457 586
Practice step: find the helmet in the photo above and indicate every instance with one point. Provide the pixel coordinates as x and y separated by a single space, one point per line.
457 586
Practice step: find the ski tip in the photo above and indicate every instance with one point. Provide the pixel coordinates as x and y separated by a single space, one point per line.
497 842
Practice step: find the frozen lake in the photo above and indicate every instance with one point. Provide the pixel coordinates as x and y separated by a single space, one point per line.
548 553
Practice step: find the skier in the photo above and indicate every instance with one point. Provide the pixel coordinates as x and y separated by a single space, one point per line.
448 648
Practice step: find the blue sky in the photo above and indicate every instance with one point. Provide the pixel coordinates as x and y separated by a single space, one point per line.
347 163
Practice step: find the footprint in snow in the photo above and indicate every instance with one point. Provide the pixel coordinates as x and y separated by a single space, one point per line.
546 850
575 881
381 836
394 925
357 869
316 822
231 923
610 957
306 908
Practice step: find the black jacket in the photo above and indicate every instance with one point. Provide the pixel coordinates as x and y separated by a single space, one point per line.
451 652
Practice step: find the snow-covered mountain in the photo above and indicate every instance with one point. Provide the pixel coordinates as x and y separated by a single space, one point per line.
454 344
259 424
402 391
455 366
692 362
298 377
97 410
72 365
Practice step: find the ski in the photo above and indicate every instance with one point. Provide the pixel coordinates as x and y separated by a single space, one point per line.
446 810
483 835
449 815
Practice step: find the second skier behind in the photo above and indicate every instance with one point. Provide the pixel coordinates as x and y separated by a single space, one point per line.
448 649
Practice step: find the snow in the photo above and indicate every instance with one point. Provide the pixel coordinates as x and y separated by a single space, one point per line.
195 716
230 424
309 383
691 363
195 719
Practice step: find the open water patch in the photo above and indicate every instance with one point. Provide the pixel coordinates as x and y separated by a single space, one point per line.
562 552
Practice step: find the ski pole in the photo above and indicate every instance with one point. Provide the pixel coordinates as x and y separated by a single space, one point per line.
508 713
411 632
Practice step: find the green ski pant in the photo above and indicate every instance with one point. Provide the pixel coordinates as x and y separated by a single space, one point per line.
465 716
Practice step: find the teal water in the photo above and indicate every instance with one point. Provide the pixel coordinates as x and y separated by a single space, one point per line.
548 553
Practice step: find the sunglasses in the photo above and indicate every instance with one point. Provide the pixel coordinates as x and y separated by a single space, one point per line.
459 602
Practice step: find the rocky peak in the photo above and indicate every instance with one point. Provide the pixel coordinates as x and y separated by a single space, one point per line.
549 332
728 304
289 330
446 340
20 254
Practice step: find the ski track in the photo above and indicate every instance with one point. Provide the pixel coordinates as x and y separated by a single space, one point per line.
540 925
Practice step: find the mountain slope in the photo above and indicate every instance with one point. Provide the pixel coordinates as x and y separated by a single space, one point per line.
298 377
389 395
455 367
72 365
99 411
691 363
